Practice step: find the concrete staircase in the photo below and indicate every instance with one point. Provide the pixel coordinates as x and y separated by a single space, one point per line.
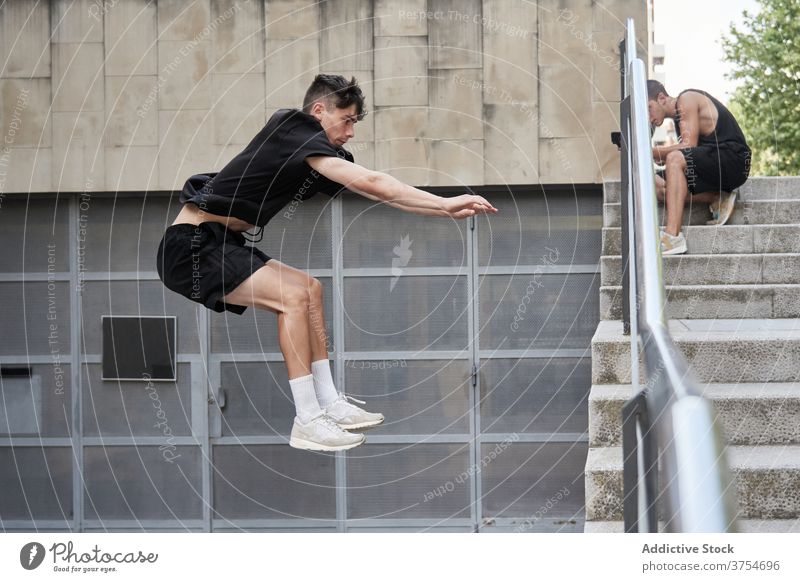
733 302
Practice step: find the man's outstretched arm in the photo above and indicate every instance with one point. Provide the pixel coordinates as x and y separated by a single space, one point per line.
383 187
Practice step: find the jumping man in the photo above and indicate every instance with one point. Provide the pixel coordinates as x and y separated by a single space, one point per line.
203 256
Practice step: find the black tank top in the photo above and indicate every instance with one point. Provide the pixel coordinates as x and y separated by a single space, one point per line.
726 134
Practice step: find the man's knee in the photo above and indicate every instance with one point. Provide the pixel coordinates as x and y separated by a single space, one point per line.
295 298
315 289
675 159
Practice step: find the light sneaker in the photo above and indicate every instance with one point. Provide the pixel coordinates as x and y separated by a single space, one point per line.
321 433
350 416
721 210
672 245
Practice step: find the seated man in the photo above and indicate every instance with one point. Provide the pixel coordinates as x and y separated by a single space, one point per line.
710 160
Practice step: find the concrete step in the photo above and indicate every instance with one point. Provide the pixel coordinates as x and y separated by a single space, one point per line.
695 214
780 211
770 188
743 526
767 482
756 188
727 239
718 350
735 269
762 301
749 413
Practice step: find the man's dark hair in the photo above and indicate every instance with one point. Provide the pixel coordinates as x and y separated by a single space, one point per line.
337 91
653 89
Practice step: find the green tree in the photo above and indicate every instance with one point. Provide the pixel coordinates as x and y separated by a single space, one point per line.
766 54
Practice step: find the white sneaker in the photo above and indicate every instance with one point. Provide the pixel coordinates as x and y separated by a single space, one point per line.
321 433
672 245
350 416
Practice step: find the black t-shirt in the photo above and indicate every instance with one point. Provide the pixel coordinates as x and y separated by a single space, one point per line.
269 173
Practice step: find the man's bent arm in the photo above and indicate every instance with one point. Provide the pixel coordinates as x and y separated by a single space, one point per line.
379 186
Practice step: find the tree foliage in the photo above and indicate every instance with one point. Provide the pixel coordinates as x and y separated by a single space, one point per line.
765 52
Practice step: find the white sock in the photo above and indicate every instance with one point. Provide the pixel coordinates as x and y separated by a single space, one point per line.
305 400
323 382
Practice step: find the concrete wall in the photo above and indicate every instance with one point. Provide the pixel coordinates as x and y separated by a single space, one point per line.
135 95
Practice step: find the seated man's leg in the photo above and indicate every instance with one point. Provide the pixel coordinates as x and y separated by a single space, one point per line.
708 197
701 198
677 189
661 188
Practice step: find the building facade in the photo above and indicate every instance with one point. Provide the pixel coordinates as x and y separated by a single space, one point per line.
472 337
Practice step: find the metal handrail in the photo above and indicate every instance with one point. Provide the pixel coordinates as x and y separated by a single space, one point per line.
697 488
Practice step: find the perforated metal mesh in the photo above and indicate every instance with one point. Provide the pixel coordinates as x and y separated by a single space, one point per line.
122 233
118 408
36 483
538 310
419 313
416 396
387 314
37 405
258 399
377 235
300 235
535 395
529 224
136 298
140 483
276 481
256 330
403 481
521 479
34 234
27 312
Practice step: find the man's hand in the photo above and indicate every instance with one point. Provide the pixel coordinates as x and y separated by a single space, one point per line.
468 205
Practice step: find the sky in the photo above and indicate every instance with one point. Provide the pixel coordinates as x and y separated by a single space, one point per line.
690 31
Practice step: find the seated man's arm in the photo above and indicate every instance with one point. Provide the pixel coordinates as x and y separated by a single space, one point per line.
689 110
383 187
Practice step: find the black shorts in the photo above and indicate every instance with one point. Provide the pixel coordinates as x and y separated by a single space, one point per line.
712 169
205 262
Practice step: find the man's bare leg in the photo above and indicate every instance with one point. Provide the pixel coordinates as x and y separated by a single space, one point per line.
676 191
661 188
266 289
701 198
283 292
288 275
707 197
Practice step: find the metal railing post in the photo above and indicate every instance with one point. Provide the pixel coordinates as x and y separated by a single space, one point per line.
624 145
669 420
624 118
635 449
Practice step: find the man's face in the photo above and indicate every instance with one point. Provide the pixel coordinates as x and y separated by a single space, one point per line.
657 110
337 123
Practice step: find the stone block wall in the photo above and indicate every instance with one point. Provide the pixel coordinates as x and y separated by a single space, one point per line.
139 94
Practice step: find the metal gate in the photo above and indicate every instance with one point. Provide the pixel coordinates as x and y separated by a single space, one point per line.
472 337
